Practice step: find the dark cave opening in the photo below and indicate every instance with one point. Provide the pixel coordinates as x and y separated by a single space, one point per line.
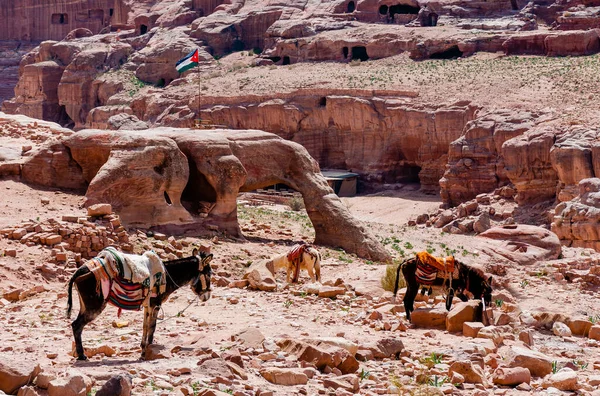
275 59
409 174
351 7
143 29
403 9
323 101
237 45
383 9
360 52
345 52
63 118
199 196
168 199
451 53
286 60
514 5
432 19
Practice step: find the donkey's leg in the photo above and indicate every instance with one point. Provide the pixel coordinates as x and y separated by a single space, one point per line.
145 329
311 272
409 299
86 315
149 327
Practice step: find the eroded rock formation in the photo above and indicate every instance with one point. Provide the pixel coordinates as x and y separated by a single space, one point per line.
576 221
161 177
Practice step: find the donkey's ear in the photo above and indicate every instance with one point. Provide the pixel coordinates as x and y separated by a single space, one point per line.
206 260
195 252
489 281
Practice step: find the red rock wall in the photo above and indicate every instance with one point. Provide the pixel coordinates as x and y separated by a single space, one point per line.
35 20
385 139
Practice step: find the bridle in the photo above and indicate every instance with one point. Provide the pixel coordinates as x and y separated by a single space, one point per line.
204 272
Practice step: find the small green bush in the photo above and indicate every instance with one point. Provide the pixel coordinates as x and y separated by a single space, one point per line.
388 280
296 204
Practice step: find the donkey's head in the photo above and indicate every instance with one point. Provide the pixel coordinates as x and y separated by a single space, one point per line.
480 285
487 291
201 285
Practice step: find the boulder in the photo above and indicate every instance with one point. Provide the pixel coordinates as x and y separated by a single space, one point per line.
384 348
471 329
595 332
539 365
469 311
511 376
472 374
493 333
119 385
321 355
580 327
349 383
562 330
15 374
74 384
98 210
524 244
430 317
27 391
331 291
251 338
261 276
284 376
564 380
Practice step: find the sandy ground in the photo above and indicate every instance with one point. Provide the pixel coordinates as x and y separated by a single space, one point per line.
36 328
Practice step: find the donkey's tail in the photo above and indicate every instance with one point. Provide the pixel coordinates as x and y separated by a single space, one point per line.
81 271
396 281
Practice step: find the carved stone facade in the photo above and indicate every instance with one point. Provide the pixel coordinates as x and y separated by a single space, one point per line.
35 20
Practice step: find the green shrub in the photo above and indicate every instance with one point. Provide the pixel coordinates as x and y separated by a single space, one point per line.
296 204
388 280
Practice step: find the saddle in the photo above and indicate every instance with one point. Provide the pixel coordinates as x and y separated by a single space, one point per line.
126 280
295 257
428 266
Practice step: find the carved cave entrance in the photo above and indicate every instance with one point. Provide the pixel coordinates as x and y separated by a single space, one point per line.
514 5
360 52
60 19
451 53
198 196
351 7
143 29
408 174
397 9
63 118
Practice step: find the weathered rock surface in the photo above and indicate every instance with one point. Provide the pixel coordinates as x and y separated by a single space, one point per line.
171 176
511 376
14 375
462 312
475 160
281 376
119 385
525 244
321 355
261 276
539 365
574 220
430 317
74 384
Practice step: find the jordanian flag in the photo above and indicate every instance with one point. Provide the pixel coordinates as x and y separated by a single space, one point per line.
190 60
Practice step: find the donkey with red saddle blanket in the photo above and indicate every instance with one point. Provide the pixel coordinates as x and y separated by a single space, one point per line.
449 274
120 280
